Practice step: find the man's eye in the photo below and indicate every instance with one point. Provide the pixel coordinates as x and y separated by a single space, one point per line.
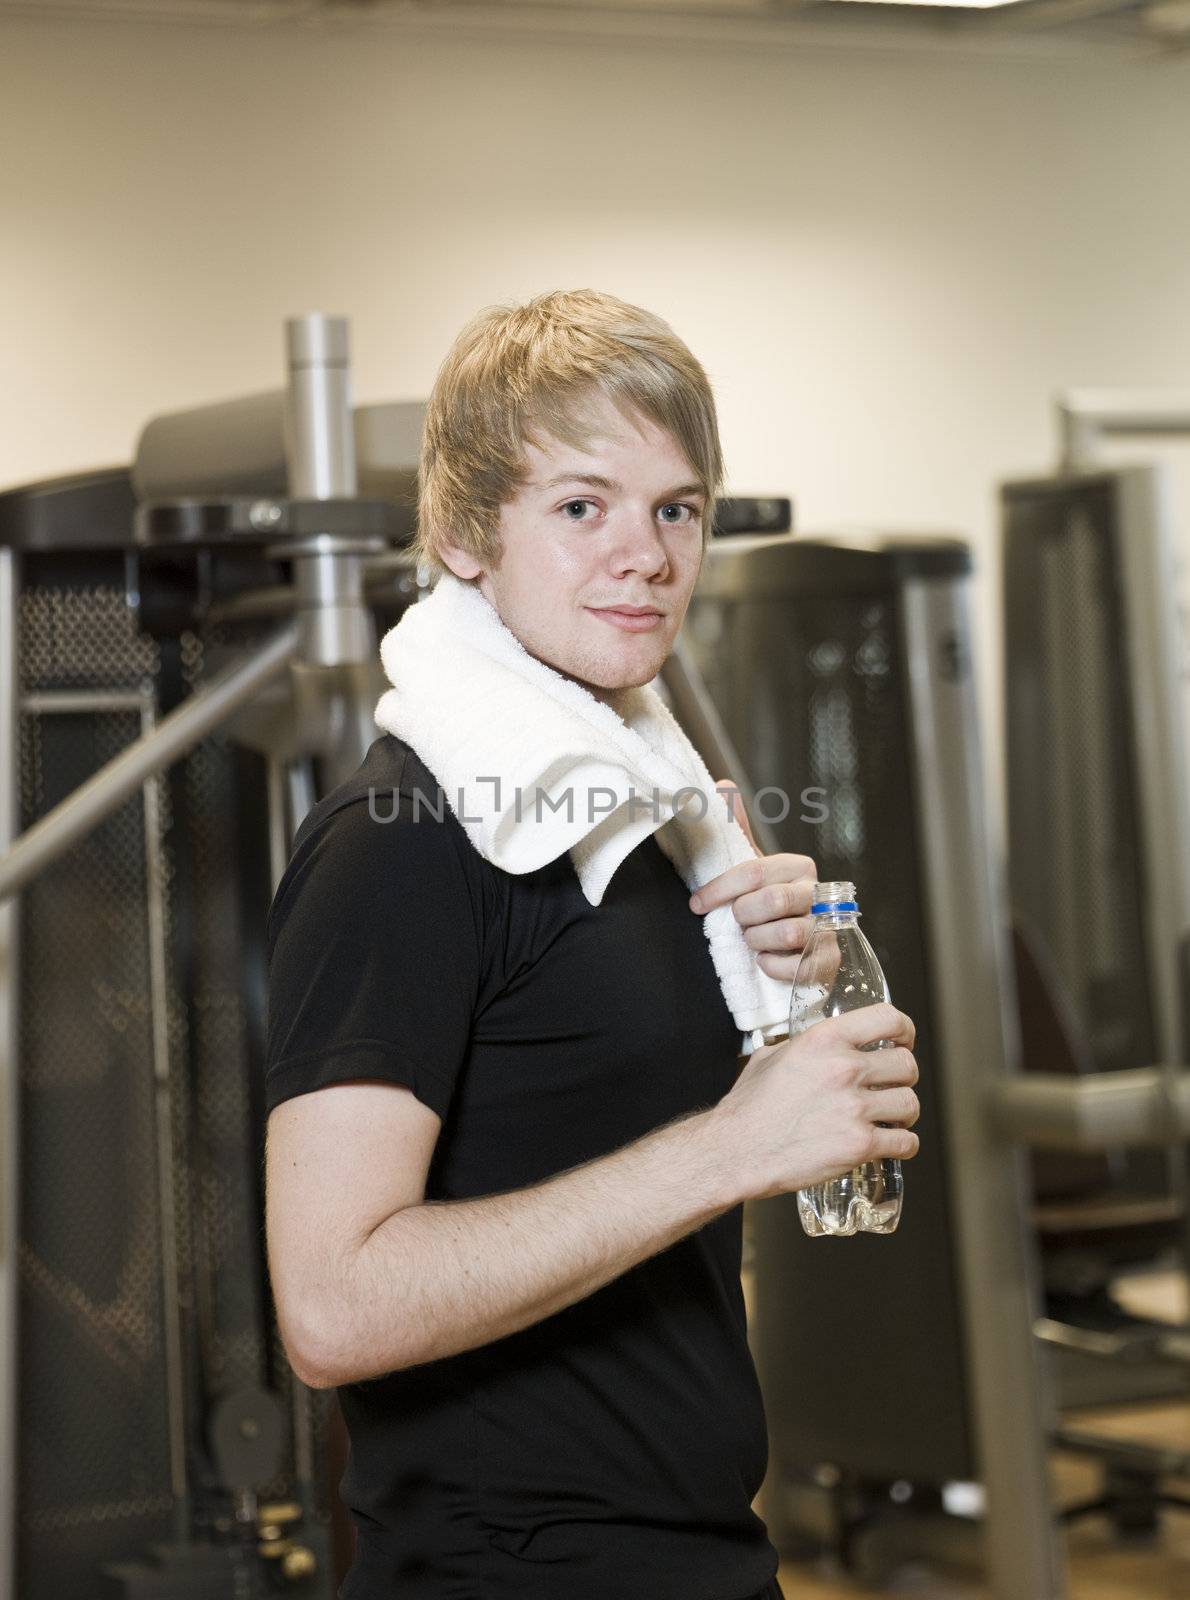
683 513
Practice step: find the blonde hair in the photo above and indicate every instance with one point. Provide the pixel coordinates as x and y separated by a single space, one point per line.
515 371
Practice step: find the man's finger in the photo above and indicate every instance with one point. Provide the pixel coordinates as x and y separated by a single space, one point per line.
886 1067
871 1023
748 875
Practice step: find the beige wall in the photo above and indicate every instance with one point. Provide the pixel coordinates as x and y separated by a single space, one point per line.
887 263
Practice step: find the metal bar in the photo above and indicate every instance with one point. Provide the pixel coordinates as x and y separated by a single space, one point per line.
978 1040
10 1141
1148 1106
393 574
699 716
60 701
1090 1342
279 829
302 794
198 716
174 1350
319 430
1148 1344
279 600
1158 1459
280 840
336 625
1085 416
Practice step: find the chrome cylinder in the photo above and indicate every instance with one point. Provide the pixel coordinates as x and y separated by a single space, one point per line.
319 430
335 624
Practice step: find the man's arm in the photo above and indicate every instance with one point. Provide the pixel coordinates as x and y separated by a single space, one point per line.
437 1277
369 1277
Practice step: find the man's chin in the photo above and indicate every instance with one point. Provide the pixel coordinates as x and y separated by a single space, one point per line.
610 680
622 683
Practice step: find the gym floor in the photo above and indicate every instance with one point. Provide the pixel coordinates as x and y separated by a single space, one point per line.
1100 1567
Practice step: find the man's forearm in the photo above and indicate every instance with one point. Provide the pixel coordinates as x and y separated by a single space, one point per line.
446 1276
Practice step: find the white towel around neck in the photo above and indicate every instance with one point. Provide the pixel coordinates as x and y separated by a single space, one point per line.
533 765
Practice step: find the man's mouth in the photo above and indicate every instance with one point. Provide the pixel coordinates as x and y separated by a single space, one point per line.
632 619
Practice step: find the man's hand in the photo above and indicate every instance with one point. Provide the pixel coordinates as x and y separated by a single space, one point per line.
810 1109
770 898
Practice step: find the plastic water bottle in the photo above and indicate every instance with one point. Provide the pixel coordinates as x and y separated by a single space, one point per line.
839 972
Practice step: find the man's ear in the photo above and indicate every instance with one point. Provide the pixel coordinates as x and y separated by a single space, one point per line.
461 562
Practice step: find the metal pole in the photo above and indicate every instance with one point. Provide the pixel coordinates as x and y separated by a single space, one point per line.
10 1147
56 702
301 790
699 716
336 625
280 833
319 426
280 842
199 715
173 1345
978 1040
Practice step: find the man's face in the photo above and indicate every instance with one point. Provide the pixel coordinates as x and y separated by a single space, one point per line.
616 524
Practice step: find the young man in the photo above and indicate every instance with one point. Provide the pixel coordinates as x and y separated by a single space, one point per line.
509 1140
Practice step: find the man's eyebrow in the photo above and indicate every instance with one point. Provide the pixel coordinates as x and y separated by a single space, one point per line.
592 478
594 481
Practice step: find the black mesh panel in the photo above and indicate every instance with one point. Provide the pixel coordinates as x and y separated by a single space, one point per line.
94 1480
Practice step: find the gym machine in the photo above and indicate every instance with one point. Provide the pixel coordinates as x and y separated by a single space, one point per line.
906 1379
170 707
1099 854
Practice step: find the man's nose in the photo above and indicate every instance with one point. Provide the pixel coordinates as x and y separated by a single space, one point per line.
639 546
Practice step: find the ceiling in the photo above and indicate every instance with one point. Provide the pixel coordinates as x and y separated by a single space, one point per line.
1145 29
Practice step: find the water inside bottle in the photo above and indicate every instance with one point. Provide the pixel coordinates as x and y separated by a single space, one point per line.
839 972
866 1200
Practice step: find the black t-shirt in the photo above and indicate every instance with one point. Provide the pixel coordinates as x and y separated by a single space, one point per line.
610 1451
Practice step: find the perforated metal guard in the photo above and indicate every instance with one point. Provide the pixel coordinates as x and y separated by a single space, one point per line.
94 1479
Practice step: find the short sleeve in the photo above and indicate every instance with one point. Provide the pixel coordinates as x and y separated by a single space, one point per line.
375 953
